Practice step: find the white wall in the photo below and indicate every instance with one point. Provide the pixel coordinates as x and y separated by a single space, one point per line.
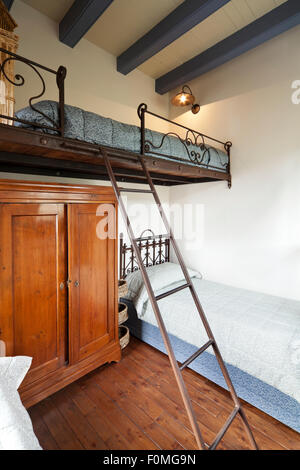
250 235
92 83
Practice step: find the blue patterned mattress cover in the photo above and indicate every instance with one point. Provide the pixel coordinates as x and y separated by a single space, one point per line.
93 128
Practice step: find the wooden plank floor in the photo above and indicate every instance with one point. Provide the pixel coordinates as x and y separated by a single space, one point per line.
135 405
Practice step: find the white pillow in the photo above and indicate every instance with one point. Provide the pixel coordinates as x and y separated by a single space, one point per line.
134 283
16 431
160 276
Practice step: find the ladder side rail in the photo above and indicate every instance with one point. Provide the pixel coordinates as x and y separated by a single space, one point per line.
173 361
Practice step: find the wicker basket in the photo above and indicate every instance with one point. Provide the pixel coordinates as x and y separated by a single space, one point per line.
123 313
124 336
123 288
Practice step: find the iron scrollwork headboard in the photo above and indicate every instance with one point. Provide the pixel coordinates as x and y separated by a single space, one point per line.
18 80
155 249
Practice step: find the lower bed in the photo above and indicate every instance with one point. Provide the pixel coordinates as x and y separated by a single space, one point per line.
258 336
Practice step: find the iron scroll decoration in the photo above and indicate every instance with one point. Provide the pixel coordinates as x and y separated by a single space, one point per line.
192 138
147 230
18 80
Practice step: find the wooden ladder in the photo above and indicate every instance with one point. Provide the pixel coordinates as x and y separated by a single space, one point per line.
238 409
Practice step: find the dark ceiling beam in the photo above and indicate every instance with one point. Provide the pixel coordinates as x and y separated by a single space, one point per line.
272 24
8 3
182 19
79 19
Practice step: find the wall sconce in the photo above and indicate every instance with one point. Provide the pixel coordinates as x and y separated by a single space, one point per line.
185 98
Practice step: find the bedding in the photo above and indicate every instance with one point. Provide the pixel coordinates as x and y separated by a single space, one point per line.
161 275
16 431
256 392
256 333
90 127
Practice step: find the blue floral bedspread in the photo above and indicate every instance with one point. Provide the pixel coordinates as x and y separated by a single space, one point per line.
90 127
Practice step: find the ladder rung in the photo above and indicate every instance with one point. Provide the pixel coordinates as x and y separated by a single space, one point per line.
196 354
128 190
172 291
224 428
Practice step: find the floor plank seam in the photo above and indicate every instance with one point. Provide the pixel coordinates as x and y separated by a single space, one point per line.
134 404
122 411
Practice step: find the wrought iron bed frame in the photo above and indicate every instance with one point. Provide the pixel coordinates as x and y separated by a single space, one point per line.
192 138
155 249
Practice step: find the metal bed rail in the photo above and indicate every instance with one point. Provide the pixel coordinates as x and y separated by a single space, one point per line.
193 143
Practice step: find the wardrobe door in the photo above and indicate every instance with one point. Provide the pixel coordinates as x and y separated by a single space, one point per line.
91 285
33 299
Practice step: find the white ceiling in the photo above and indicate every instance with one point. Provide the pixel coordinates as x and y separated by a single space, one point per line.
125 21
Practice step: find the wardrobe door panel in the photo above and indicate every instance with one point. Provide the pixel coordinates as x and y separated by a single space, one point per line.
33 265
92 283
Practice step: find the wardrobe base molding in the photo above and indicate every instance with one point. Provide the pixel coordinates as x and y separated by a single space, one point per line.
37 391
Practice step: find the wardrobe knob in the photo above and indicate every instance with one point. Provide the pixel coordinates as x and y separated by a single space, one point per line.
76 283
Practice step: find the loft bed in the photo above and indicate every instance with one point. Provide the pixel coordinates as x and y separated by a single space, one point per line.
50 138
256 332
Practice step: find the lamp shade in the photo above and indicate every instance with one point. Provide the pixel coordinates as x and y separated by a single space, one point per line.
184 97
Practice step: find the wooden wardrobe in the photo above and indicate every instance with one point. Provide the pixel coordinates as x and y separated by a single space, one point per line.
58 281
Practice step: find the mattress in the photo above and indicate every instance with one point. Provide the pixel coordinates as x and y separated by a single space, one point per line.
93 128
257 333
